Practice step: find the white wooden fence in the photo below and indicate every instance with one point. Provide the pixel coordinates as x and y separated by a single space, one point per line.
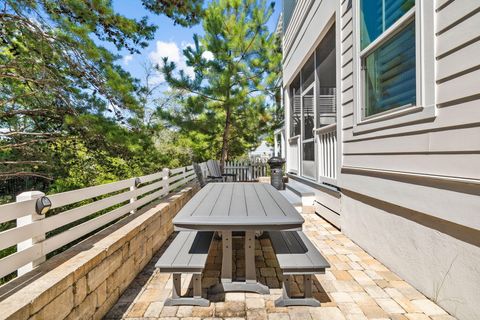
246 170
101 205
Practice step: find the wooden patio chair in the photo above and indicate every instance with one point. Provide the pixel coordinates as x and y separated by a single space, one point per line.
201 180
215 172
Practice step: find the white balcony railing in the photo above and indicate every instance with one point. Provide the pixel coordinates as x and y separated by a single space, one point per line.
327 142
76 214
293 155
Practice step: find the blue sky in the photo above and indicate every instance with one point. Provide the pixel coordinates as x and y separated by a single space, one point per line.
169 39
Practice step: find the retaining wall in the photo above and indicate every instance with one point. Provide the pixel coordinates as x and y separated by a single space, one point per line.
85 281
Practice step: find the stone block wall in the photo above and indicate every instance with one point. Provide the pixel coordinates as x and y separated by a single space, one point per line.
85 281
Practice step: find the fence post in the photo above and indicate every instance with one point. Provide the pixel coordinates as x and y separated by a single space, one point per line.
28 219
184 171
136 183
166 173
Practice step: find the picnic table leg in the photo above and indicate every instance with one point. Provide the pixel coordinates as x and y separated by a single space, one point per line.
197 285
226 256
250 284
307 300
177 285
178 300
250 273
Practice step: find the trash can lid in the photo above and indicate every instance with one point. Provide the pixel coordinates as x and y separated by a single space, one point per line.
276 161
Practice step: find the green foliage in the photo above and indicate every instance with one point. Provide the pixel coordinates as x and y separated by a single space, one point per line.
185 12
57 87
68 114
226 109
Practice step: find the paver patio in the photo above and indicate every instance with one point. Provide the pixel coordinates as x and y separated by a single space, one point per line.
356 287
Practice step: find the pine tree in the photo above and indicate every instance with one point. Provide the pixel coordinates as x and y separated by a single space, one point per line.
236 65
57 83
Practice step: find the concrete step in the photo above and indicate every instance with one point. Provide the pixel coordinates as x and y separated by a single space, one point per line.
300 189
293 198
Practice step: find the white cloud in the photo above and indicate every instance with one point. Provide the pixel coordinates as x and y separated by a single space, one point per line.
208 55
126 59
165 49
173 53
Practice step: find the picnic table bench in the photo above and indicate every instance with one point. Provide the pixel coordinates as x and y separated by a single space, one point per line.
297 255
186 254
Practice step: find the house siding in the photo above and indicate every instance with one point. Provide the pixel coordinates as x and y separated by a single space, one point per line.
410 193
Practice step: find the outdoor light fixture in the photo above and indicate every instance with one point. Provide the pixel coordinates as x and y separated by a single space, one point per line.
42 205
137 182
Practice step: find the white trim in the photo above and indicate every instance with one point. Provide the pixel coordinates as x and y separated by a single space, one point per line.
395 118
412 175
389 33
338 83
325 128
423 13
294 138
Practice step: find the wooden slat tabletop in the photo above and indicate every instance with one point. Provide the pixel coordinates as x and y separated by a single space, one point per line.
238 207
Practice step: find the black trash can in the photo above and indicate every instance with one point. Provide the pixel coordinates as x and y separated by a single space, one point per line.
276 172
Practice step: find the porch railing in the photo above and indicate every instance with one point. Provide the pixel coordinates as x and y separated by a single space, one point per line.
327 142
74 215
293 155
246 170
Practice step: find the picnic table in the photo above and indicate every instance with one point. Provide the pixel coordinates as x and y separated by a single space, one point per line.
248 207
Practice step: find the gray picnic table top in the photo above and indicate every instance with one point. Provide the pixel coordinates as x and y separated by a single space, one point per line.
238 206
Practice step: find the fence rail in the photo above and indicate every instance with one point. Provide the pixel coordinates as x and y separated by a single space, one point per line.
80 212
246 170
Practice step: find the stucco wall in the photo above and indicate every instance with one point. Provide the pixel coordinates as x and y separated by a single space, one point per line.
441 259
85 281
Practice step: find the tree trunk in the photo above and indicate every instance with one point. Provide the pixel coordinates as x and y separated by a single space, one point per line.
226 132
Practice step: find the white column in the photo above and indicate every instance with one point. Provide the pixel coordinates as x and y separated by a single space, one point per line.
28 219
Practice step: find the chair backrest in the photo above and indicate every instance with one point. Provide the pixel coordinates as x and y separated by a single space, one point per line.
198 172
214 168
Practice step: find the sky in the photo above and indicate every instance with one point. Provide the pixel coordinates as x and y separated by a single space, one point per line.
169 40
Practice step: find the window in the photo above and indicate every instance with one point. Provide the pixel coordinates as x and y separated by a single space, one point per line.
387 55
325 61
308 73
379 15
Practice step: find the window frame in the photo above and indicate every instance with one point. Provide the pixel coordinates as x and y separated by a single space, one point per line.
424 109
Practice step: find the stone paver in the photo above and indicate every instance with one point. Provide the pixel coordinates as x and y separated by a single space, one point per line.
357 287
